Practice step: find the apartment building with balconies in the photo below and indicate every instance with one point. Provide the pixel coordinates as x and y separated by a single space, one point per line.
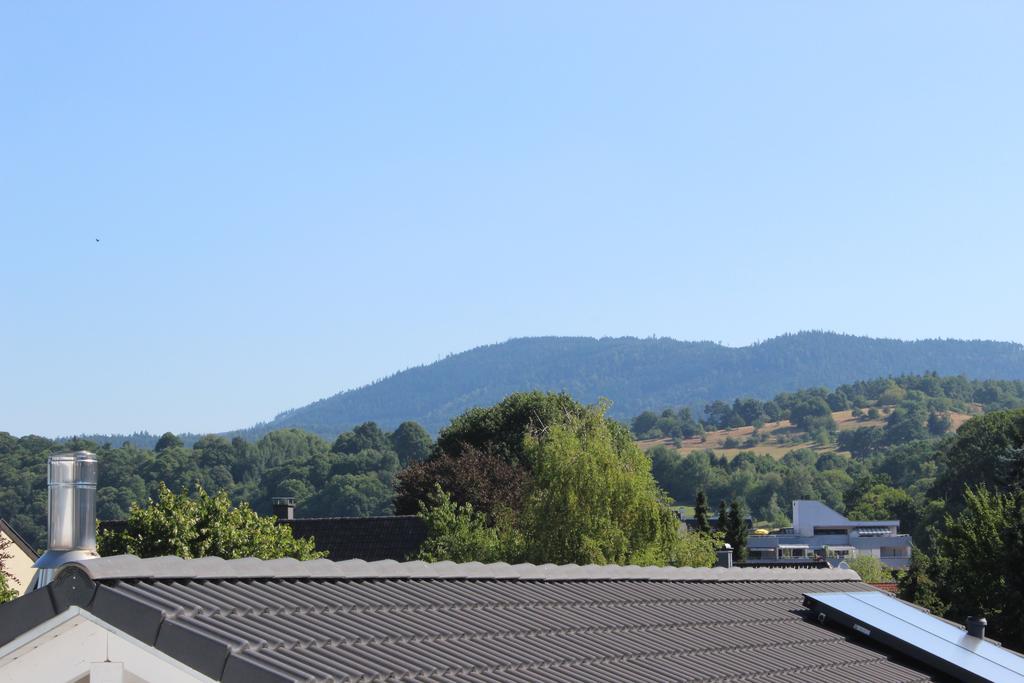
818 531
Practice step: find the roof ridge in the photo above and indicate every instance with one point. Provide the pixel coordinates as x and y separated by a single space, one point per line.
171 567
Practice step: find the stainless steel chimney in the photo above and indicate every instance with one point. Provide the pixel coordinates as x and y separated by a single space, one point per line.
71 528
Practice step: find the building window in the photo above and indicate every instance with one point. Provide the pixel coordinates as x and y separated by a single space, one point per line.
875 531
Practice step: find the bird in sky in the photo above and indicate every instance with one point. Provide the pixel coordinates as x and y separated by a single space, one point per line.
97 239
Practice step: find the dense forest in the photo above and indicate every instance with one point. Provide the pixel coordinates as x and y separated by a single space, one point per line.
353 476
635 374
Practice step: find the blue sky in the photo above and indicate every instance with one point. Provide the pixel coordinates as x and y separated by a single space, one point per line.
298 198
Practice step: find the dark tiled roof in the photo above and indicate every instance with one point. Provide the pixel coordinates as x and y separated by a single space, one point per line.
346 538
365 538
17 539
283 620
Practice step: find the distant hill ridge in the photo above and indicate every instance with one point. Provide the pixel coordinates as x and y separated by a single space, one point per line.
640 374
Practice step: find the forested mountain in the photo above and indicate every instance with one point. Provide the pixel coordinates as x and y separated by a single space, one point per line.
640 374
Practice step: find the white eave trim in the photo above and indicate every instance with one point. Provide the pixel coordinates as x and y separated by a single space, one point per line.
39 631
18 646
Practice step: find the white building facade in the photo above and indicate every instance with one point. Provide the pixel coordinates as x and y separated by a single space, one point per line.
818 531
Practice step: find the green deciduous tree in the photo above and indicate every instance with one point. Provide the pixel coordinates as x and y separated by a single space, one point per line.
177 524
812 413
497 433
892 394
870 568
367 436
562 477
461 534
360 494
978 556
7 591
643 424
885 502
860 442
168 440
917 586
939 423
908 422
501 430
696 549
975 455
590 503
411 442
774 514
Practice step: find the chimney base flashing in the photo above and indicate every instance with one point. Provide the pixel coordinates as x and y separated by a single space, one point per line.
52 560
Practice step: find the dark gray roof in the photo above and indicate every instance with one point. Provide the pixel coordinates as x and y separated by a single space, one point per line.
17 539
257 621
366 538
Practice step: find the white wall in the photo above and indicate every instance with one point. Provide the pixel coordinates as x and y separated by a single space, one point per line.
20 565
75 647
808 514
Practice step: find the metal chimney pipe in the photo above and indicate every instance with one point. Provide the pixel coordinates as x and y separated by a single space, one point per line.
71 526
976 626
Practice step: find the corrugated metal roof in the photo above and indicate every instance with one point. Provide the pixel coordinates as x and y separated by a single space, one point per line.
252 621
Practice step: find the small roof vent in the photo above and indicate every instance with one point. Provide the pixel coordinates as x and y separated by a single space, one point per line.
976 626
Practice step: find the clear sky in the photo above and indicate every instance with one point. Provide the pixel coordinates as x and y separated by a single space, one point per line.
292 199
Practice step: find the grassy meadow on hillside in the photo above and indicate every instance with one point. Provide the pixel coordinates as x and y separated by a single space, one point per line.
781 437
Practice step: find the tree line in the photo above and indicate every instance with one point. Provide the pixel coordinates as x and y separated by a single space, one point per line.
810 410
353 476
